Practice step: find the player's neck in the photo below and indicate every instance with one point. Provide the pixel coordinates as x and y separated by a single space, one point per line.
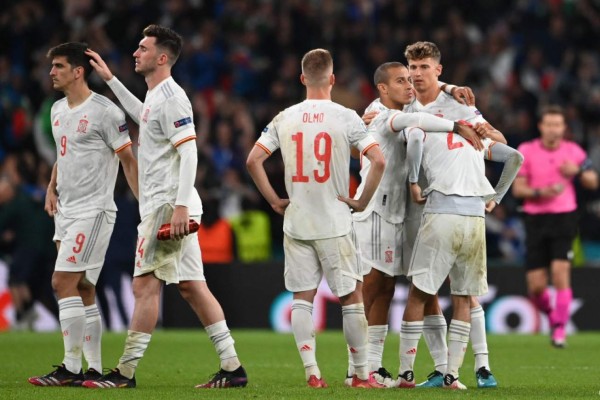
156 77
392 105
77 94
428 96
318 93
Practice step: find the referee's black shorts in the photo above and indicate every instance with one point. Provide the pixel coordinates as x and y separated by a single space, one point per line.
549 237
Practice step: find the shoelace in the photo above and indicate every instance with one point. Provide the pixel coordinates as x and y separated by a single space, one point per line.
384 373
484 373
433 374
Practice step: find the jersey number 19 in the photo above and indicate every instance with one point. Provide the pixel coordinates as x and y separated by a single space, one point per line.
322 152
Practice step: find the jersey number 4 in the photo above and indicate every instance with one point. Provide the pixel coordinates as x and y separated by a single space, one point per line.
322 152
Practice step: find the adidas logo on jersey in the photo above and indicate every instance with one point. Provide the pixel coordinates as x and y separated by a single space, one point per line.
72 260
56 123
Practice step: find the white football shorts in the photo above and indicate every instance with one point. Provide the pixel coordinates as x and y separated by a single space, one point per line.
83 243
169 260
306 261
379 244
450 245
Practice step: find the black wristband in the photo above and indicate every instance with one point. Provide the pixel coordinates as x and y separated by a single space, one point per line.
455 127
536 193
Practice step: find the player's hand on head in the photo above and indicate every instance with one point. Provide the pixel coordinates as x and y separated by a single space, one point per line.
180 223
368 117
464 95
471 134
280 206
99 65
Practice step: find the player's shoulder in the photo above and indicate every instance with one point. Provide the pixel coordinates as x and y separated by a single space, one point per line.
58 105
101 102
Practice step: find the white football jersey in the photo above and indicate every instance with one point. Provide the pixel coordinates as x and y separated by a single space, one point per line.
87 139
445 106
389 200
166 121
454 167
315 137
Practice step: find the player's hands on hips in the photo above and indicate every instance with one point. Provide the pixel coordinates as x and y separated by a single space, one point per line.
467 132
280 206
355 205
99 65
490 205
180 223
369 116
51 203
417 194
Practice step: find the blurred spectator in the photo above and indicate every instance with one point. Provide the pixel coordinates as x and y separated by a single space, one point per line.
26 235
215 235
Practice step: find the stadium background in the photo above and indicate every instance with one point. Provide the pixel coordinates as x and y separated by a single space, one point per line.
240 66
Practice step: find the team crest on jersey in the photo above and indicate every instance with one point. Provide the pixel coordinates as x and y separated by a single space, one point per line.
266 129
477 112
182 122
145 116
82 127
122 128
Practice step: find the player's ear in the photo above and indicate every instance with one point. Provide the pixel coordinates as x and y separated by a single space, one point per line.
332 79
438 69
303 79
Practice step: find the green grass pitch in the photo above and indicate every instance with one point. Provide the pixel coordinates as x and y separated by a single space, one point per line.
525 366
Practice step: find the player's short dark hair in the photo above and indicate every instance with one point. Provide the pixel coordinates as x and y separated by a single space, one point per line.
552 109
167 39
74 52
316 65
421 50
381 73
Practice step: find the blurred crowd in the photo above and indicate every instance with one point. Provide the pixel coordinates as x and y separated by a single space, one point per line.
240 67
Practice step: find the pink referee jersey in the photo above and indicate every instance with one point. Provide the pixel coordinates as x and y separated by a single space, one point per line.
541 168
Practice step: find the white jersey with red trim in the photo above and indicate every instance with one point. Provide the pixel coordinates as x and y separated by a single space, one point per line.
389 200
87 138
315 137
445 106
454 167
166 121
452 178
